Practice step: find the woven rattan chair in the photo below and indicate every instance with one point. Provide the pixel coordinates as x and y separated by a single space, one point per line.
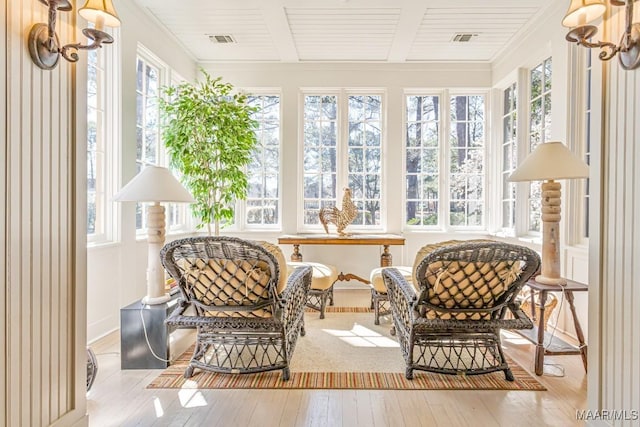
449 320
236 293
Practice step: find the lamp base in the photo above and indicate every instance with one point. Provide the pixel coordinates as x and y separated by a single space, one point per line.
558 281
156 300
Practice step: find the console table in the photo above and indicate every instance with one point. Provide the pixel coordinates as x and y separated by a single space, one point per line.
538 336
384 240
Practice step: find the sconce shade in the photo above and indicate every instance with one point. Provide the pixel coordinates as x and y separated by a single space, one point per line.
153 184
93 9
582 12
550 160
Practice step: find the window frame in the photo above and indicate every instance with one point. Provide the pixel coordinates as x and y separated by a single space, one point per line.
509 230
444 162
240 223
111 101
577 197
342 144
529 231
166 76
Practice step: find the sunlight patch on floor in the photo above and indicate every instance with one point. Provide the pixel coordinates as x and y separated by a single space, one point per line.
190 398
513 338
157 405
360 336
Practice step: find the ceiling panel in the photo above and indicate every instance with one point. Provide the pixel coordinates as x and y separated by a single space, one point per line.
344 30
192 27
343 34
491 29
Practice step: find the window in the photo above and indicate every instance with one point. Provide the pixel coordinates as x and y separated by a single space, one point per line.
152 76
176 212
262 204
96 156
102 147
147 125
422 159
509 156
587 142
539 129
342 147
364 154
459 191
466 172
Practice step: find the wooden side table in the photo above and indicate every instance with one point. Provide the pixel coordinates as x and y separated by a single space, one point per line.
538 336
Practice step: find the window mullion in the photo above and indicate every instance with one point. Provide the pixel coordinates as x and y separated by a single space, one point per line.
445 162
522 149
343 144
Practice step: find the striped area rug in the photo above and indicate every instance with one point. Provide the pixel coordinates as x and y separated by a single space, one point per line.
173 377
337 309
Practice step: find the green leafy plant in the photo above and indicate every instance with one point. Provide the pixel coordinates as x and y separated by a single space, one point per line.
209 132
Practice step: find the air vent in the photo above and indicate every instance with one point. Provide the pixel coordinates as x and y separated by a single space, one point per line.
464 37
221 38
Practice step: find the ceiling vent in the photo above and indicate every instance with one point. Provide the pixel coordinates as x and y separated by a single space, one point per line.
463 37
221 38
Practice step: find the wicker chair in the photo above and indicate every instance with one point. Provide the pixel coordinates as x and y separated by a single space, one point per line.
449 320
236 293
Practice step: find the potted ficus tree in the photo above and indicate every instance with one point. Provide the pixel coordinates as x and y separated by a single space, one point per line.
209 132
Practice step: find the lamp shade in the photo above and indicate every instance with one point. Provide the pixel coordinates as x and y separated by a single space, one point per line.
582 12
153 184
551 160
95 10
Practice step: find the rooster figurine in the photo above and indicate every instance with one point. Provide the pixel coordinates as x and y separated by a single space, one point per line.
340 217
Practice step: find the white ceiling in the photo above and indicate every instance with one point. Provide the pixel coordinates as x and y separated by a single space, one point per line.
345 30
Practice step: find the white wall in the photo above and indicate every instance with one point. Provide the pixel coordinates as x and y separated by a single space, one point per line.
117 270
42 235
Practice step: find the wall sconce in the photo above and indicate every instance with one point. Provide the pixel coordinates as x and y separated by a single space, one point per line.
582 12
44 45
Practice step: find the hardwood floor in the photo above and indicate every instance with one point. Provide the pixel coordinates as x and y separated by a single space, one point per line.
119 398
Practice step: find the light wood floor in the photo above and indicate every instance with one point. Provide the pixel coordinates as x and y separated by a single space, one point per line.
119 398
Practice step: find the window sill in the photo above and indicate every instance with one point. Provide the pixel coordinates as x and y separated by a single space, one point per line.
173 235
102 245
530 240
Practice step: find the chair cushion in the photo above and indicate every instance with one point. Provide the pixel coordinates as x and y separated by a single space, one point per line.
282 263
227 283
223 282
377 282
322 277
464 284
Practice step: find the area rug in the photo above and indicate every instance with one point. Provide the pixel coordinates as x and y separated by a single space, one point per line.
345 351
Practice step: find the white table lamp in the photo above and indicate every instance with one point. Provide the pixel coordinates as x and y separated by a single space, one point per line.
154 184
550 161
